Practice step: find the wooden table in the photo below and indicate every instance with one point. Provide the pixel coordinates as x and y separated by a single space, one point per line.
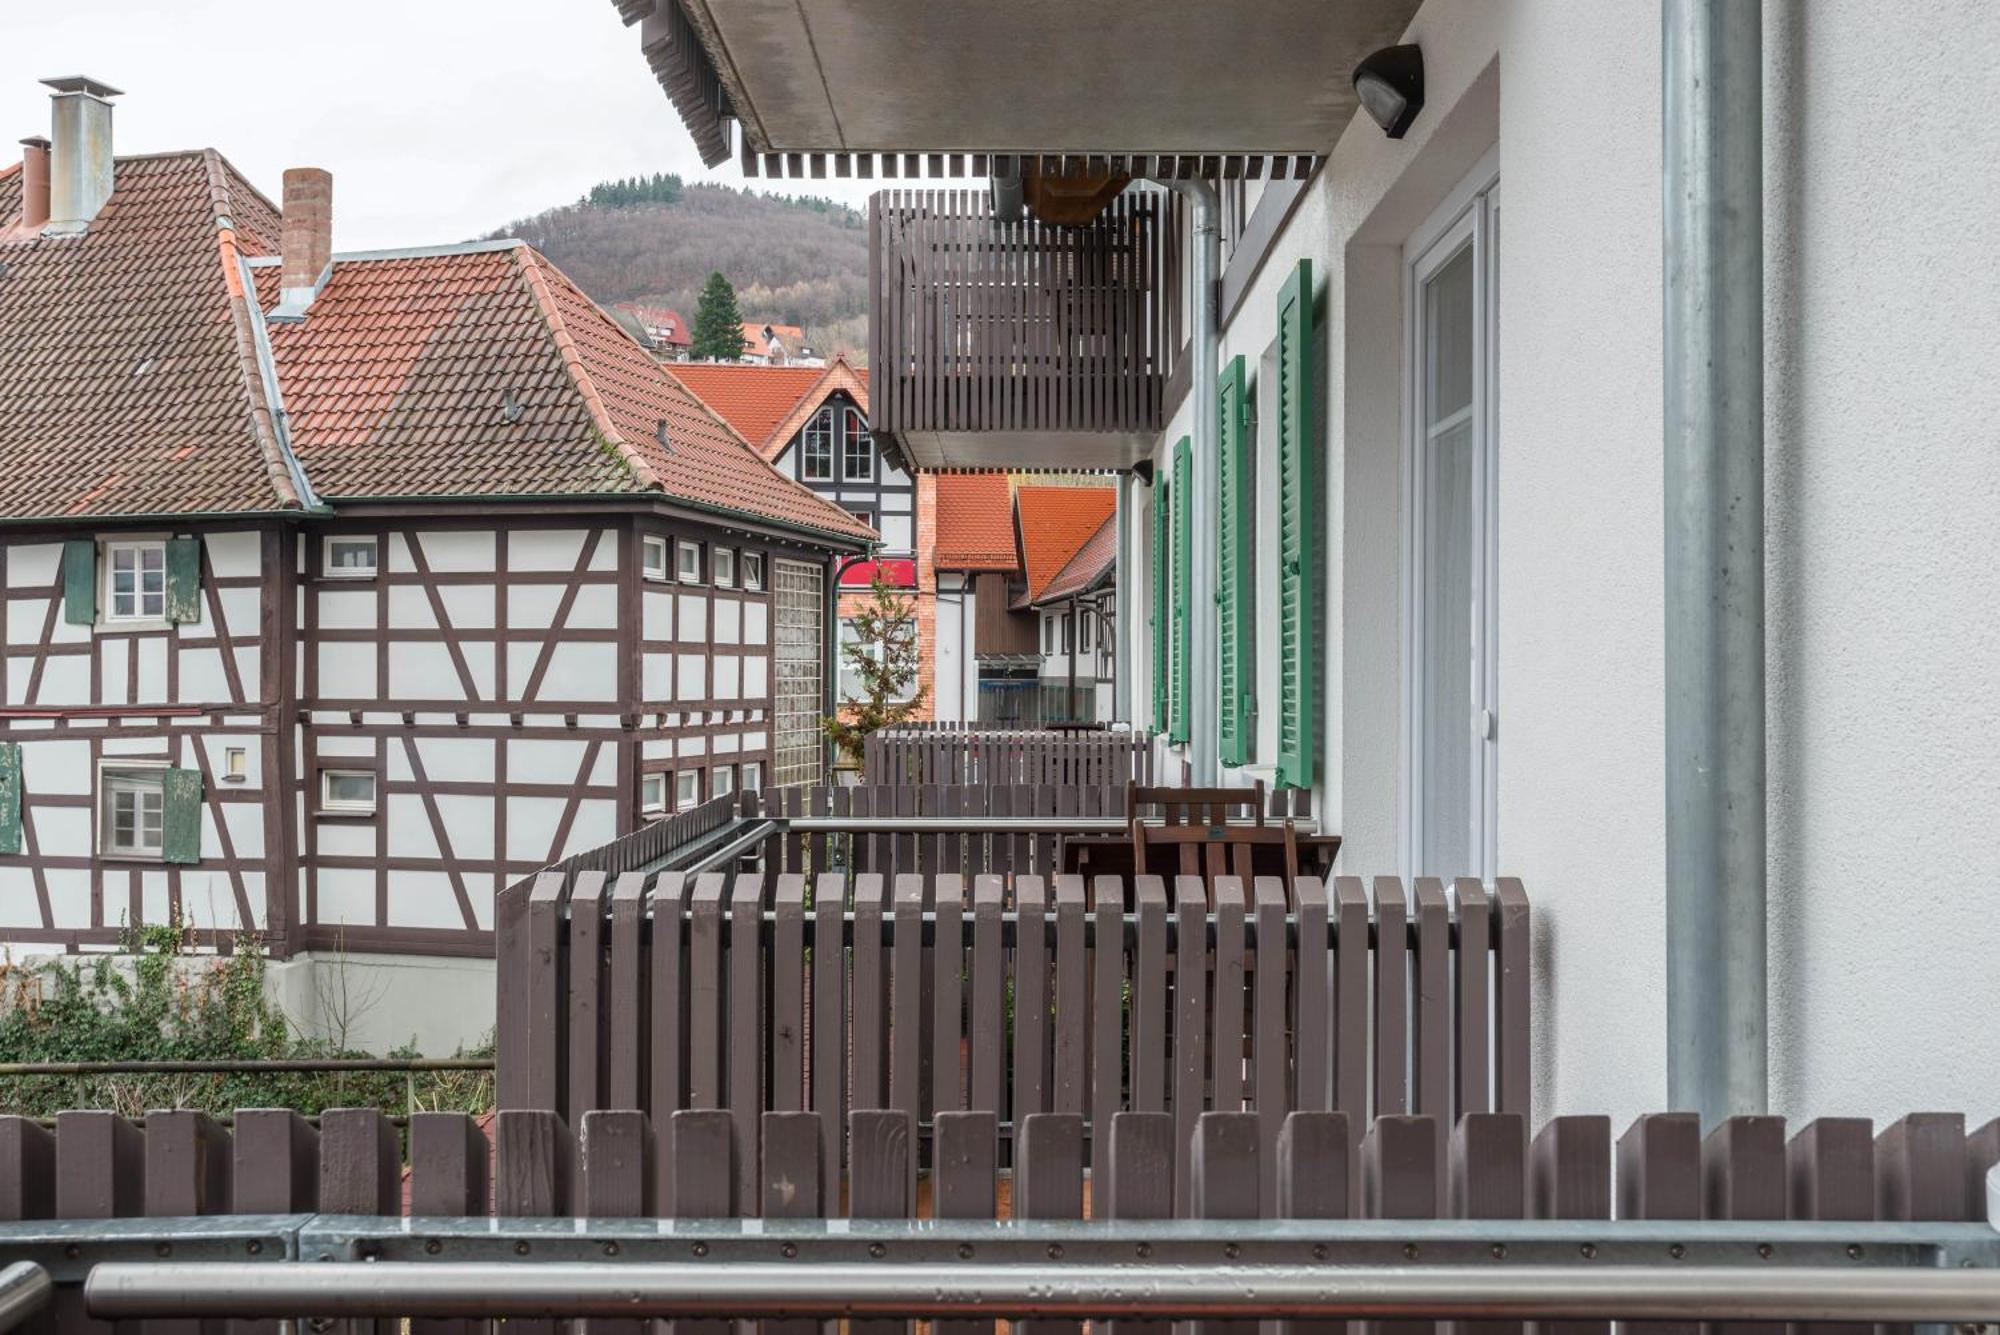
1111 855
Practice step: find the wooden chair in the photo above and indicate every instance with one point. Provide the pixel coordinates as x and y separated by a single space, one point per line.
1195 823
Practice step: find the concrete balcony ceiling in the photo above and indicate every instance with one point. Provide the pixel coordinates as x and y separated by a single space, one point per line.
1034 76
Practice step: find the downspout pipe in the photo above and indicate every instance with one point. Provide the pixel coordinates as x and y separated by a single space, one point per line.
1204 341
1717 1055
1121 683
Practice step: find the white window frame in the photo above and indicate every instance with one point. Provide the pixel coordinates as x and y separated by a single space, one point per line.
348 806
653 558
821 427
687 567
653 793
753 776
1469 217
1083 630
721 781
853 429
328 570
753 571
687 789
148 772
722 567
138 615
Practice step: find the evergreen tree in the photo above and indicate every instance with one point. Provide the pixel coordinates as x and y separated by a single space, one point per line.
883 655
718 326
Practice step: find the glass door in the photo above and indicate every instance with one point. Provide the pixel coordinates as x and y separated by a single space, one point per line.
1451 693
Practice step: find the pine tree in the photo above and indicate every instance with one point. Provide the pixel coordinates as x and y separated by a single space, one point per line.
884 655
718 326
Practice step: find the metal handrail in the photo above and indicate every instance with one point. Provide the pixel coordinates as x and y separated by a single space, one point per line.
1138 1288
252 1066
25 1289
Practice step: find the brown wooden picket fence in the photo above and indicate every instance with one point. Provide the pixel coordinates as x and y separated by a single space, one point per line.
710 1165
1011 996
1007 756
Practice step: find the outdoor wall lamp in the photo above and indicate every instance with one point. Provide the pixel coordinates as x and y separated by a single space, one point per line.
1390 84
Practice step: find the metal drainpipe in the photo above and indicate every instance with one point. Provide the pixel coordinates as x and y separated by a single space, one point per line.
1121 686
1204 338
1717 1058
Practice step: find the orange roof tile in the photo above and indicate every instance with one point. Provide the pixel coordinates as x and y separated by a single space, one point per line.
1054 523
129 381
755 344
483 371
769 404
1089 567
975 523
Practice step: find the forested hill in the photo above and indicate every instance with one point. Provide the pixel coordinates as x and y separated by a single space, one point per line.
792 261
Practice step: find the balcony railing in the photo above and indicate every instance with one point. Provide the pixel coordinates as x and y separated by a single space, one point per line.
983 326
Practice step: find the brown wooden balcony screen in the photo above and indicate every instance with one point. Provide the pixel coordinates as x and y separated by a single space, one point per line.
982 325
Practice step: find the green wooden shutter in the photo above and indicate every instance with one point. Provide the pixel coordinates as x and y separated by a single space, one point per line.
1233 590
1298 736
10 797
180 816
1183 648
80 582
1161 491
184 579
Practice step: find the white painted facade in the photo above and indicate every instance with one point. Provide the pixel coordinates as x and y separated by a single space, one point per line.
1883 489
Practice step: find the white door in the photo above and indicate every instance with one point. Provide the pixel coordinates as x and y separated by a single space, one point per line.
1452 689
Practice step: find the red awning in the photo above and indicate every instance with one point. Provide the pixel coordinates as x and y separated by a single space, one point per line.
896 574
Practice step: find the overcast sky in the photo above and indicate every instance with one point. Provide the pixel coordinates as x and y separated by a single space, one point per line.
439 119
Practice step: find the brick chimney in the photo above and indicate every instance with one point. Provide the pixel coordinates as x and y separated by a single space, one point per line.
80 167
34 182
307 240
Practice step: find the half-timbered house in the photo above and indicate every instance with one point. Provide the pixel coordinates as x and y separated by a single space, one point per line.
339 589
811 423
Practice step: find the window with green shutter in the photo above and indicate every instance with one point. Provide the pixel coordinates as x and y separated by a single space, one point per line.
80 582
10 797
1233 564
1183 547
1161 615
1298 734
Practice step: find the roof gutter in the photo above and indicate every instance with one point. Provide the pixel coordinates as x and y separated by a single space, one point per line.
827 537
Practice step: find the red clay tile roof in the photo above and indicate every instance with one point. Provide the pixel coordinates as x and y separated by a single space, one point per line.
658 317
975 522
769 404
756 345
128 365
1089 567
1054 523
402 379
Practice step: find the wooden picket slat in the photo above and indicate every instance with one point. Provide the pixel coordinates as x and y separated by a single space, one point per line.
1743 1176
1048 1184
1471 1039
1190 1065
1511 1074
1400 1178
788 994
790 1185
1071 1024
1107 1014
949 1039
1392 1005
1315 1179
882 1149
830 1035
1430 992
1031 999
701 1142
966 1159
1830 1171
1350 1010
625 1058
1150 1020
746 1024
1227 1007
870 999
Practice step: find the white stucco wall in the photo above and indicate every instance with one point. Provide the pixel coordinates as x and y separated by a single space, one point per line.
1883 491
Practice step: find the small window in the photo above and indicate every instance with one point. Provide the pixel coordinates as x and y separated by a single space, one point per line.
1048 635
690 566
816 447
350 558
1083 633
864 513
857 451
132 811
653 794
687 789
348 792
724 559
721 781
753 570
138 575
753 776
653 558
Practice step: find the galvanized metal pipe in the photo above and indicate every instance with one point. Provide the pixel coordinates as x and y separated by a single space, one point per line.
1204 338
983 824
25 1289
1717 1061
831 1290
1121 648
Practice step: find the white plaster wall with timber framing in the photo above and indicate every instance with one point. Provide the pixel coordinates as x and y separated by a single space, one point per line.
136 748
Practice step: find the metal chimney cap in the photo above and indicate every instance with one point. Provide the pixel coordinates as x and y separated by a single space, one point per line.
36 141
82 83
